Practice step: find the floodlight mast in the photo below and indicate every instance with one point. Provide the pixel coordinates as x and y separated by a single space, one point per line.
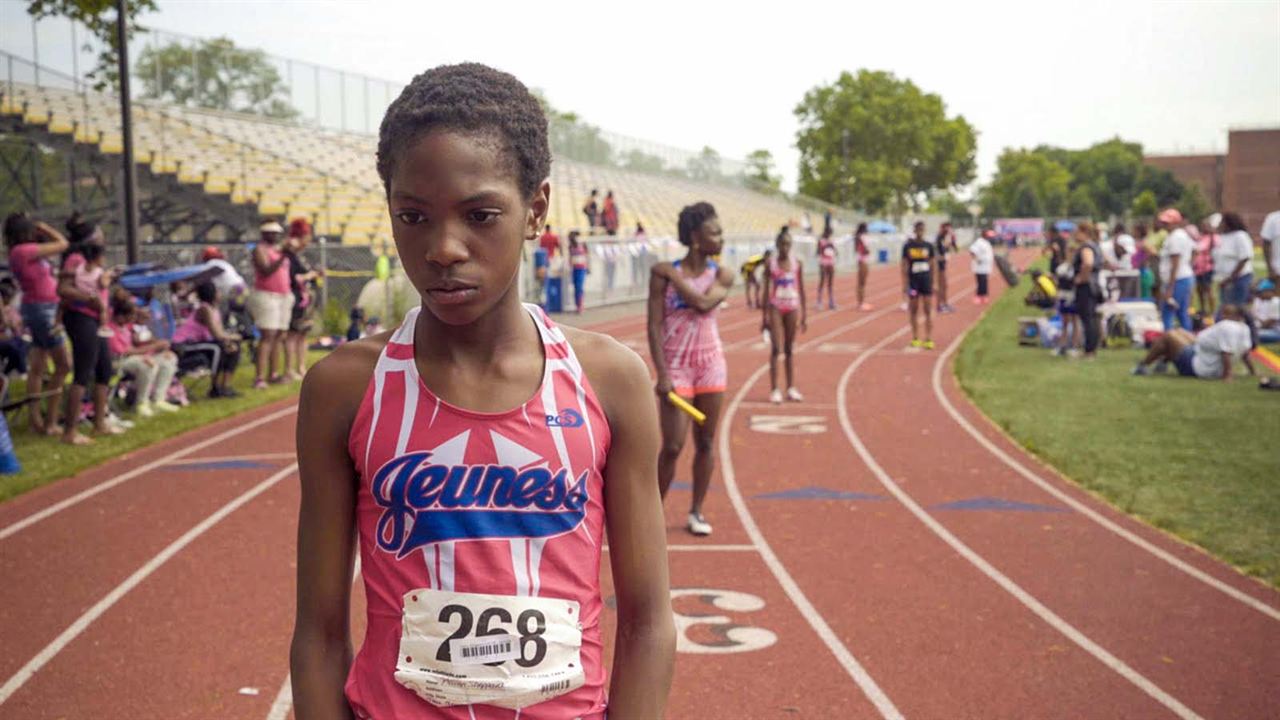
126 127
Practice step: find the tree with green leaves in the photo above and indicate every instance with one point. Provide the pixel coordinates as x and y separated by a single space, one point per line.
642 162
214 74
878 142
99 16
760 171
1144 205
1080 203
1028 183
705 166
1192 204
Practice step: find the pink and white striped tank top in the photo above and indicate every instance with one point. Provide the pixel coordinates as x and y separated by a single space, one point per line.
480 537
691 338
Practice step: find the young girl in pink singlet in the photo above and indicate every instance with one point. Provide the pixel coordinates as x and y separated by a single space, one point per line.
476 457
827 269
685 344
784 312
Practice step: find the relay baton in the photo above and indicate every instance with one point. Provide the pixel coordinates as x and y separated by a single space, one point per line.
697 415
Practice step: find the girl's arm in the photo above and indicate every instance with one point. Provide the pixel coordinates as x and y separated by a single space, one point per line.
264 266
657 296
214 323
57 243
766 293
697 300
804 308
644 645
320 654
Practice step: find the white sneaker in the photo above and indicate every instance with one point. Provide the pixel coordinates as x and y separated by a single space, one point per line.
144 410
794 395
165 406
698 525
775 397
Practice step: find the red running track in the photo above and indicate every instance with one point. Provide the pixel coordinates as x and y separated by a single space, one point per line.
880 551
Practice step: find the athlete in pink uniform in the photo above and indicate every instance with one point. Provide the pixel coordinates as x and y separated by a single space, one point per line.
785 310
479 453
827 269
685 344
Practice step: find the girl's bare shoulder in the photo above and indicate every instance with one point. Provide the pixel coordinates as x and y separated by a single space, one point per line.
614 370
337 383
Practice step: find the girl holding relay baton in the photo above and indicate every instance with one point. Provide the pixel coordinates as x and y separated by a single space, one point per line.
684 341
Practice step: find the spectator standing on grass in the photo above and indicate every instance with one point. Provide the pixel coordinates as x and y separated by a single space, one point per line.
1202 264
151 364
1087 284
270 304
1233 262
1175 273
202 332
983 258
302 283
228 280
83 286
1270 233
1208 355
33 249
609 214
1142 262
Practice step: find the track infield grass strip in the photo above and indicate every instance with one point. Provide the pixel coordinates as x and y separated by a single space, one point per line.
1197 458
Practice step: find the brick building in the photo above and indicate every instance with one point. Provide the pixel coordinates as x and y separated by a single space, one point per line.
1246 179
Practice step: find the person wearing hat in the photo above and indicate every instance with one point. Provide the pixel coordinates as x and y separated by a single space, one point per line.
270 303
228 280
1177 279
302 279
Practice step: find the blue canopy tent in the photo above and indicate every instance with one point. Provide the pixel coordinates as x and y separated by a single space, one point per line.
880 226
138 278
1064 225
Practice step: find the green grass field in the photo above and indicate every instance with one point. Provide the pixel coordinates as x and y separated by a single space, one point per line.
45 459
1198 458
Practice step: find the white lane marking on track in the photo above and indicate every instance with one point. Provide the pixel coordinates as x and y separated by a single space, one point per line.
81 623
1080 507
986 568
167 459
706 548
284 699
754 339
232 458
846 659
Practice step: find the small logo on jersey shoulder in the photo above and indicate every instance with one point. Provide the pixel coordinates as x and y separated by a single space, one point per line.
568 418
425 503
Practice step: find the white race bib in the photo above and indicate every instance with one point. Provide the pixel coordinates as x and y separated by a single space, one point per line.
920 266
503 650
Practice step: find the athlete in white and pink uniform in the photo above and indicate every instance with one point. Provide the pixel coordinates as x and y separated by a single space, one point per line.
470 461
515 509
684 343
784 293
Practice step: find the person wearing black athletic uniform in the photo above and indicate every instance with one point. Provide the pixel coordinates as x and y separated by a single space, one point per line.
918 259
945 242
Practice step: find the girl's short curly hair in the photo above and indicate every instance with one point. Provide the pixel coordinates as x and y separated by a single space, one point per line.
470 98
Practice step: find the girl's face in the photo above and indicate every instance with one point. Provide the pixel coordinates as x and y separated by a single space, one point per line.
784 246
709 237
459 220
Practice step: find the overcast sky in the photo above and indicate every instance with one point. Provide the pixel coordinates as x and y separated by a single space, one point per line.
1172 75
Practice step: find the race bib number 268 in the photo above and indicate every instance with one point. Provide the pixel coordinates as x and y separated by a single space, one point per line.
462 648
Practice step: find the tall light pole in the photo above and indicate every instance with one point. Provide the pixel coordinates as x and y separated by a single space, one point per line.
126 127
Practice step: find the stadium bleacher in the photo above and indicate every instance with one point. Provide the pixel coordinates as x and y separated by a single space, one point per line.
290 169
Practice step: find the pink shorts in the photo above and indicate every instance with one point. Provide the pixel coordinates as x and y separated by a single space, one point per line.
693 381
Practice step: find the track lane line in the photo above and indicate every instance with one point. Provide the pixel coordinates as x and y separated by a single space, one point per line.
856 671
1079 506
14 683
1004 582
79 497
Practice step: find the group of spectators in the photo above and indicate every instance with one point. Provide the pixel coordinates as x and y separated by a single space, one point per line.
551 257
601 216
65 313
1199 275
